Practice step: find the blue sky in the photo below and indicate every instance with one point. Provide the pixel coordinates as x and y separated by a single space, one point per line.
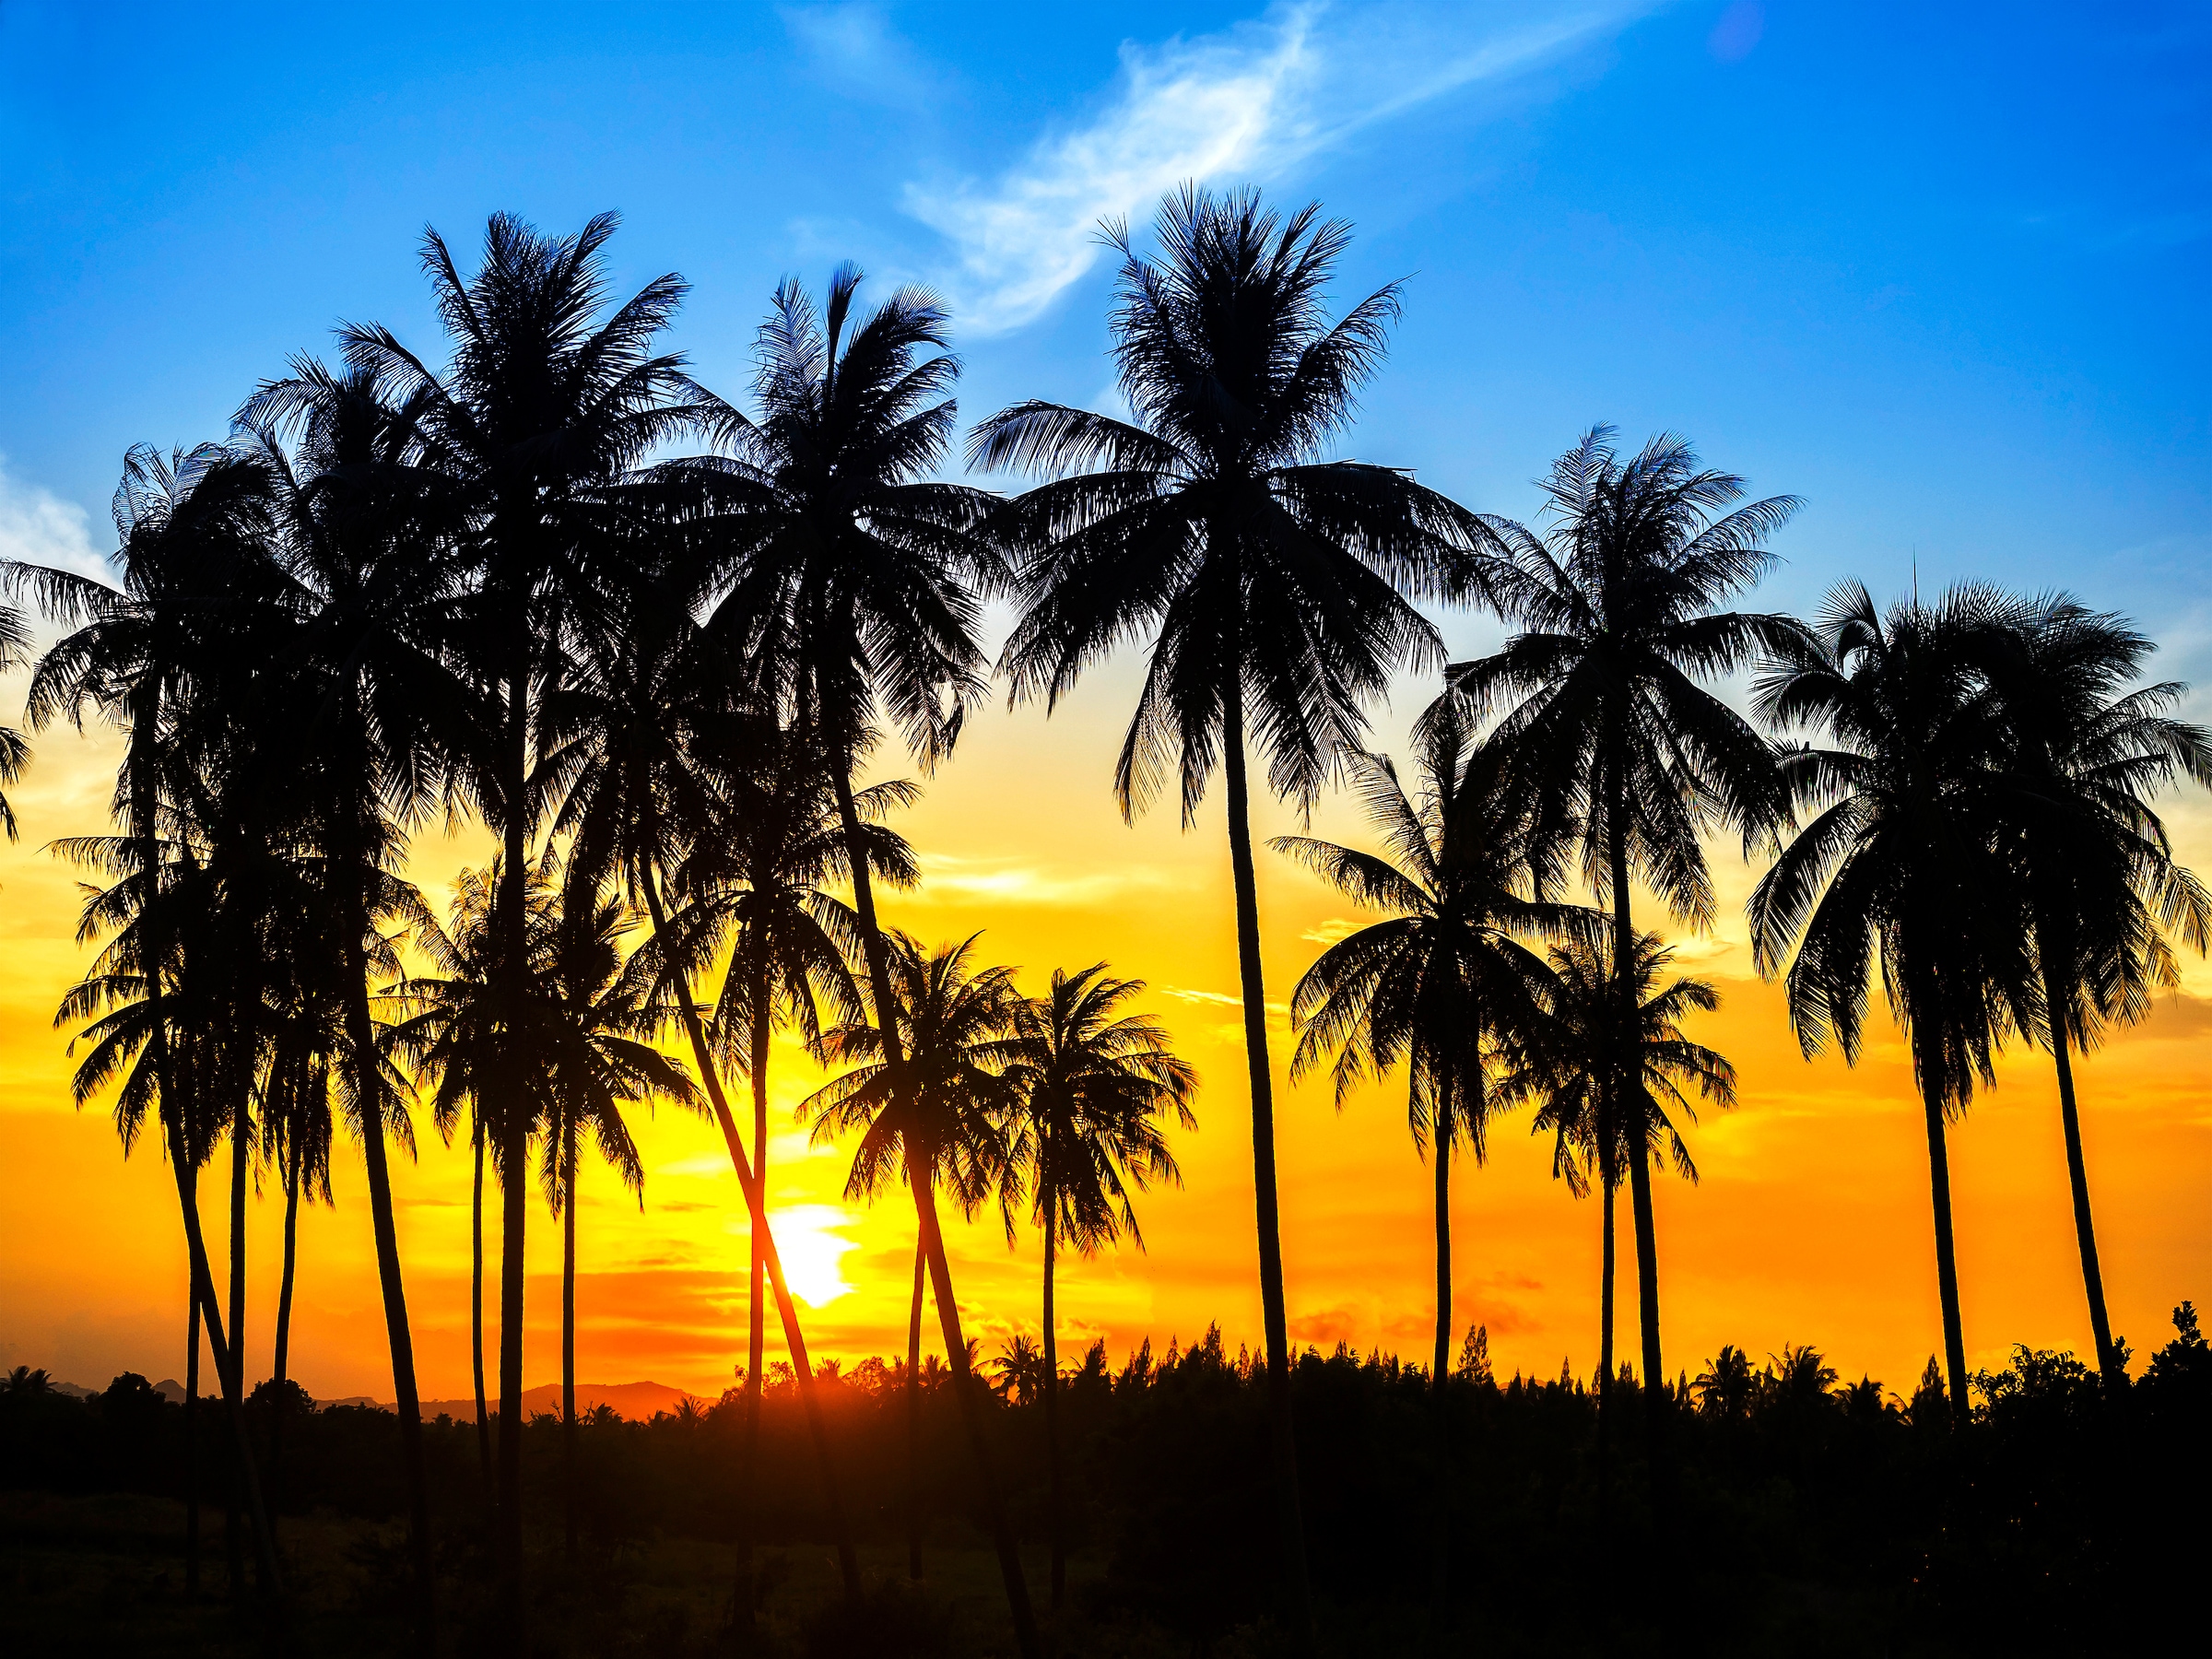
1942 270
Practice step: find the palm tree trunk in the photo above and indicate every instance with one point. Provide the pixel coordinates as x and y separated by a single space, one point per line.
925 1209
192 1450
234 1545
1440 1575
514 1126
1290 1525
369 1096
514 1207
913 1418
1609 1257
568 1328
1946 1260
2077 1177
1655 1398
282 1355
476 1309
755 1200
1054 1515
756 1350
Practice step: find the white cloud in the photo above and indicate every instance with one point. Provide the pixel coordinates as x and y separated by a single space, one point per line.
855 47
1245 103
37 527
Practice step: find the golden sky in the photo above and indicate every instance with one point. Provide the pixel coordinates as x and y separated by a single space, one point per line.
1810 1223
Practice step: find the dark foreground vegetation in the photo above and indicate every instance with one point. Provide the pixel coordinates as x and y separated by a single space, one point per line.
1817 1516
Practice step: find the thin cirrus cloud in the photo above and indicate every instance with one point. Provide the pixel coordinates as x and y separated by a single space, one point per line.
1249 103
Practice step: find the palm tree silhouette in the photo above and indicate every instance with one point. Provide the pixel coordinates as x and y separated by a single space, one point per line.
2084 755
544 422
1902 867
1443 978
1276 589
1092 1086
944 1119
1570 1056
1626 753
856 591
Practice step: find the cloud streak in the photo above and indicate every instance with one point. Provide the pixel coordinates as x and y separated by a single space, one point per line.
1248 103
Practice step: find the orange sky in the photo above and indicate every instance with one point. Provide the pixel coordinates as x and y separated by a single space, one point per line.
1811 1225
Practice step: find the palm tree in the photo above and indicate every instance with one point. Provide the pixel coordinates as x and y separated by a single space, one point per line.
2084 755
945 1119
767 843
187 526
1902 867
367 542
1093 1084
601 1016
1567 1057
1446 975
856 590
1276 589
1626 753
541 422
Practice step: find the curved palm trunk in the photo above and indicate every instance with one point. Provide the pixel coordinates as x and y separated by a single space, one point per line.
1055 1517
755 1200
568 1329
192 1449
282 1353
933 1239
1439 1579
913 1418
1282 1433
476 1309
2077 1178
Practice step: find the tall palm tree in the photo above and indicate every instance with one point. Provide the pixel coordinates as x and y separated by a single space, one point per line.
767 843
856 590
187 527
1443 978
1092 1086
1901 868
1276 589
601 1014
369 546
1626 753
544 421
1568 1058
2086 750
945 1118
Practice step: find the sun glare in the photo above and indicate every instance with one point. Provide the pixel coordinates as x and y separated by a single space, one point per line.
812 1249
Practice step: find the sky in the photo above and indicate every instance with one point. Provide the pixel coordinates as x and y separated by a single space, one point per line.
1939 271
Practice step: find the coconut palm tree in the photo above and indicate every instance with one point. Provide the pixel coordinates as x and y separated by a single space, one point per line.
1627 755
1566 1060
856 591
601 1014
1093 1085
2086 748
1901 868
1454 968
1276 589
544 422
945 1118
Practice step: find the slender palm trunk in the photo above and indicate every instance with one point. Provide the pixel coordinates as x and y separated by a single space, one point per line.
282 1354
1055 1514
568 1328
755 1200
514 1127
1946 1259
933 1241
476 1309
1297 1597
192 1450
913 1418
755 1348
1439 1574
234 1545
2077 1177
369 1094
1655 1397
1609 1258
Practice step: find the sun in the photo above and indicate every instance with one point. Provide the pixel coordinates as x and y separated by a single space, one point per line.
813 1249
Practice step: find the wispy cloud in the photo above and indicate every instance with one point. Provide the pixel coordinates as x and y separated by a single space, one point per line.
1247 104
948 877
855 48
38 527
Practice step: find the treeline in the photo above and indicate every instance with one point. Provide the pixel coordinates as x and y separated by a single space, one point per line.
1837 1517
